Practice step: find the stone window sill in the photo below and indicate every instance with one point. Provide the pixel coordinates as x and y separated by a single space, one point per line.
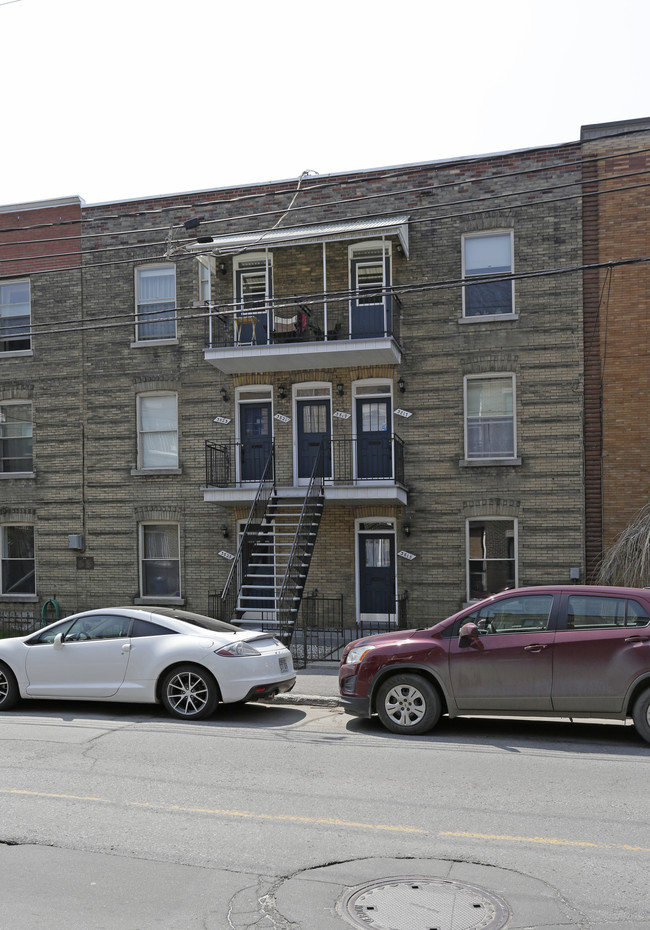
152 472
160 601
23 598
155 342
17 474
482 463
489 318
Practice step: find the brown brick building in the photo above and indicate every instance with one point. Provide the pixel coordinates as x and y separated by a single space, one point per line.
616 229
164 411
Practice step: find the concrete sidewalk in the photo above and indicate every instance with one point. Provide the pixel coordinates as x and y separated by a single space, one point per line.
317 685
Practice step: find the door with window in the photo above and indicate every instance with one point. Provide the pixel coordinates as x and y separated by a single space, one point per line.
255 439
377 586
254 289
370 309
314 430
374 449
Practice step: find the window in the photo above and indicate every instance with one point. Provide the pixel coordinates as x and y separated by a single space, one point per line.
160 567
156 303
206 271
157 431
587 612
491 557
488 255
16 437
15 316
489 417
17 545
524 614
369 276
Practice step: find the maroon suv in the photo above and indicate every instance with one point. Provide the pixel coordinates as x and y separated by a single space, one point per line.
567 651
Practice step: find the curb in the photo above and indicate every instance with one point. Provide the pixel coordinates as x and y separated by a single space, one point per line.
314 700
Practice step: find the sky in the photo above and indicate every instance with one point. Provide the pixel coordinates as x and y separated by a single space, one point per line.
119 99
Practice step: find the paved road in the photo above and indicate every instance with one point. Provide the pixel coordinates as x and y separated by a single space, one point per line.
271 816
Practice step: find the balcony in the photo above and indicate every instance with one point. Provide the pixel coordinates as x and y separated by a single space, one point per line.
356 471
290 335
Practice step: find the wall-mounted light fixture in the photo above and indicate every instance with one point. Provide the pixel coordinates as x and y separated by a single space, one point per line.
406 529
401 385
223 268
399 249
224 394
282 391
339 389
225 532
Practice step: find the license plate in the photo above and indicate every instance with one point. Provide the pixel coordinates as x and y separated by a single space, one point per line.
284 665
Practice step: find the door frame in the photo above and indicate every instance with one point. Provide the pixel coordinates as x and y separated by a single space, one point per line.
244 396
325 393
372 526
384 391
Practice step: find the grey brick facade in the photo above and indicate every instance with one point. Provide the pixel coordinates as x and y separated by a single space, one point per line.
87 371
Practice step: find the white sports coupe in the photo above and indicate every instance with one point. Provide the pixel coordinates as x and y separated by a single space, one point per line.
184 661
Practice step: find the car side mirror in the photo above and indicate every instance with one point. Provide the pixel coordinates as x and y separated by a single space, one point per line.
57 642
468 635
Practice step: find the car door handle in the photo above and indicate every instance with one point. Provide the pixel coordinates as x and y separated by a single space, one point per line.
536 647
637 639
126 647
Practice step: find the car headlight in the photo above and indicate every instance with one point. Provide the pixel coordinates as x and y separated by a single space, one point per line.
357 654
238 649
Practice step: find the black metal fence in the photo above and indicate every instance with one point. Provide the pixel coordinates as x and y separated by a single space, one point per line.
320 634
19 623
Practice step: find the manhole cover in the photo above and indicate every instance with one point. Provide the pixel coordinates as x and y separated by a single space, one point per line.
425 904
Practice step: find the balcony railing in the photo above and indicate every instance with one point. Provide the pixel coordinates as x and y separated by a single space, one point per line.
346 462
288 321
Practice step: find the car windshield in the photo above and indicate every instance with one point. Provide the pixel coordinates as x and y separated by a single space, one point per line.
207 623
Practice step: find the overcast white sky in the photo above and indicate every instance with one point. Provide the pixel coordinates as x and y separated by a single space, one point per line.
114 99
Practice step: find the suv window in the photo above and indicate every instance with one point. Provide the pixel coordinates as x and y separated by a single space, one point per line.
522 614
589 612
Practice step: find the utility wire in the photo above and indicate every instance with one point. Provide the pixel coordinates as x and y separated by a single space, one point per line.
231 309
341 182
427 219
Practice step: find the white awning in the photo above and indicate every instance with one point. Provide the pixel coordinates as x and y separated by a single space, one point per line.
300 235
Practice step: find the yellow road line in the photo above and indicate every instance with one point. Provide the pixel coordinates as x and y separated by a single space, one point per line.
330 821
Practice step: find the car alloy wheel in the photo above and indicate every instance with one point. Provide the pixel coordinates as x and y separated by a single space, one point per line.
408 704
8 688
189 692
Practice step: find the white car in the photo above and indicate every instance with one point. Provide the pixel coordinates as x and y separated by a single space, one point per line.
184 661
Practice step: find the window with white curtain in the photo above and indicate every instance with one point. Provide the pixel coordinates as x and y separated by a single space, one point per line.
160 567
15 316
489 417
18 566
488 256
155 303
16 437
158 430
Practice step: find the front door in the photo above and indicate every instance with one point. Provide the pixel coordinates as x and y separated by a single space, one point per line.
314 431
377 577
374 459
370 309
255 439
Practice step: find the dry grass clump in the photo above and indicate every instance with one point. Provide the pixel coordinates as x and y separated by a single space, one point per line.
627 562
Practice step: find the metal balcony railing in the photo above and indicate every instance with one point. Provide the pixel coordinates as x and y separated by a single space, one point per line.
282 321
349 461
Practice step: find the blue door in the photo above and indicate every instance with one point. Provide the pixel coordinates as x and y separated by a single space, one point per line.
255 439
376 577
374 458
314 430
370 309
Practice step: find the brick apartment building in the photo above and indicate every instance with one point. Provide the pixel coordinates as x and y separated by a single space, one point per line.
377 375
616 319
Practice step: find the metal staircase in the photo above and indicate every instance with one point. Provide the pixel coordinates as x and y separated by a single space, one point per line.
267 579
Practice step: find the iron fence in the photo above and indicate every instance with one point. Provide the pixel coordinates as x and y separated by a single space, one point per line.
19 623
